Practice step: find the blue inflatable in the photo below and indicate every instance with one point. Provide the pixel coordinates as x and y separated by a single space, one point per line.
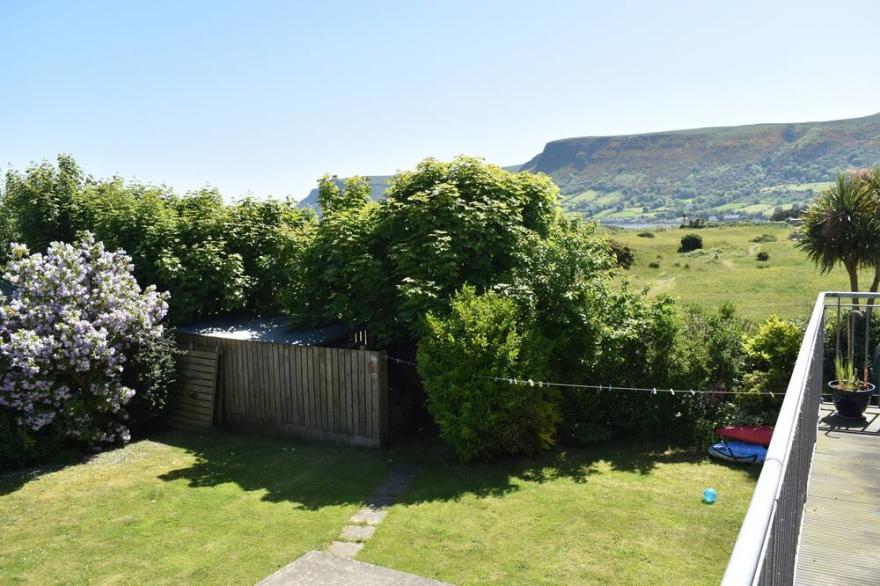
740 452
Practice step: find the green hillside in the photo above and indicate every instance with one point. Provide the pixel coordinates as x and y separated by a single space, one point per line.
746 170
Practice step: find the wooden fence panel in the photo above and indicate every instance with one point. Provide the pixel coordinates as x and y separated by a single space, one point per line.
329 394
191 399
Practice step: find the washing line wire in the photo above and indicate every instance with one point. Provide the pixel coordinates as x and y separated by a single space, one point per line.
610 388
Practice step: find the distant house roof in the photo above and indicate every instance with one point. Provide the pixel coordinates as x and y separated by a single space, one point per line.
266 329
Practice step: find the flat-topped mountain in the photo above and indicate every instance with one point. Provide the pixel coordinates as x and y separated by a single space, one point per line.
749 169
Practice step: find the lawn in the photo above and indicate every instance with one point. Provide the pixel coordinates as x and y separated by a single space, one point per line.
625 515
181 509
726 270
222 508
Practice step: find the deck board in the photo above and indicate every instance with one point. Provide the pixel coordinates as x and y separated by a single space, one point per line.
840 534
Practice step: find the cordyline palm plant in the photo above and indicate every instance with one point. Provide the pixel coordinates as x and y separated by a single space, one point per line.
843 226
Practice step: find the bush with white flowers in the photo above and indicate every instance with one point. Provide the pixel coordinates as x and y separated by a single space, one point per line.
65 330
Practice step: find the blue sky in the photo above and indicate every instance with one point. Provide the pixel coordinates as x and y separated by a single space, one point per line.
264 97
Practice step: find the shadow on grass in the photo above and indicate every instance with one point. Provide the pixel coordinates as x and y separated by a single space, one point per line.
309 476
12 480
450 480
313 476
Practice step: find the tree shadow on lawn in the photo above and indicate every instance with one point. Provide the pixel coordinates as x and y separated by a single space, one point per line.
312 476
309 476
12 480
450 480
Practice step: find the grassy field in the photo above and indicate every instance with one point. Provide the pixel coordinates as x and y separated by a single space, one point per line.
726 270
227 509
183 509
624 515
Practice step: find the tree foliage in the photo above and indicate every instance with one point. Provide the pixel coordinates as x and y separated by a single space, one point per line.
213 257
440 226
842 227
45 201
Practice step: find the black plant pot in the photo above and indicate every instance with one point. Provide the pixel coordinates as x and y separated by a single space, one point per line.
851 404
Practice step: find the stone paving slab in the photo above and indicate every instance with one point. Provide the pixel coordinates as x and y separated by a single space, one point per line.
345 549
357 532
369 516
323 569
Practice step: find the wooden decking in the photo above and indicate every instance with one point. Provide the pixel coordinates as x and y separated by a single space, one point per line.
840 535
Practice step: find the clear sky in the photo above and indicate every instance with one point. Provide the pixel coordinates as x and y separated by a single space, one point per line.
264 97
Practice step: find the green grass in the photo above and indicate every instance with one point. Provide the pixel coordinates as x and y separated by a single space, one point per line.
726 270
228 509
622 515
181 509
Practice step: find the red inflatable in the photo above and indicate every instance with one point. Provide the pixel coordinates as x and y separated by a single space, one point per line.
753 434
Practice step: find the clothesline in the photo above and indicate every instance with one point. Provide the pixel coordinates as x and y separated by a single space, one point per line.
608 388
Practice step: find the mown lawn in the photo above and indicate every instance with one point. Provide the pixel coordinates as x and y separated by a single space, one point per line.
228 509
627 515
726 270
181 509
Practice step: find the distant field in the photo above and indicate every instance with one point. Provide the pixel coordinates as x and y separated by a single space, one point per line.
726 270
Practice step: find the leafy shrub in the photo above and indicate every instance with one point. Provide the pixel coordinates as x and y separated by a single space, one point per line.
653 265
710 348
657 344
7 230
764 238
482 337
66 333
690 242
763 256
769 353
646 234
21 446
150 370
623 254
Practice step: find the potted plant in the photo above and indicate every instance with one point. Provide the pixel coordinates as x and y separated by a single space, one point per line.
851 396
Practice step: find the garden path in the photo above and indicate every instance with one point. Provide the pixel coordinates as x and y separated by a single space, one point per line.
336 566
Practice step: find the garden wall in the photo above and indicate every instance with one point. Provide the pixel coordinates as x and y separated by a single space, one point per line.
327 394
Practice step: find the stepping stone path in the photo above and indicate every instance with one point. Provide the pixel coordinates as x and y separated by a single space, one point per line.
363 524
335 567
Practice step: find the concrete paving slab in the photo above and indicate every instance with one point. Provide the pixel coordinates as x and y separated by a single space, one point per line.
317 568
345 549
369 516
357 532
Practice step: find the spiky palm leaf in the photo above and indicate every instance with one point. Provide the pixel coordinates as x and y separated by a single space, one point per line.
842 226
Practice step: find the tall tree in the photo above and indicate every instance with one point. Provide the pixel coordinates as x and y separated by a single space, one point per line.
841 227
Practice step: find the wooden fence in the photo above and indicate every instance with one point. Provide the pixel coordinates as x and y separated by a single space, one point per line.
192 399
329 394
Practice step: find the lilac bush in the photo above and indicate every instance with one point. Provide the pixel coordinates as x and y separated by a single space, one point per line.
65 330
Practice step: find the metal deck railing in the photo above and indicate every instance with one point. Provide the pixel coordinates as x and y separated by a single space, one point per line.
766 548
